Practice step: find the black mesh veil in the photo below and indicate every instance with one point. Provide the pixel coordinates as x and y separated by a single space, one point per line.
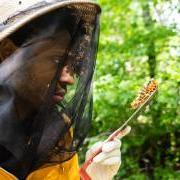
39 124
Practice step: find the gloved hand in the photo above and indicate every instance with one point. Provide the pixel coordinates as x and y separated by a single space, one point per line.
106 164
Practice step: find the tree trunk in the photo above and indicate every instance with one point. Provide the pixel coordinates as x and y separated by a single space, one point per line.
151 53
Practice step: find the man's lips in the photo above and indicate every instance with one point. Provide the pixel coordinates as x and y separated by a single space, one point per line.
59 95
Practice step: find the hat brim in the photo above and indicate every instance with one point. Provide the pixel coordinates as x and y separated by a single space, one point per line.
17 23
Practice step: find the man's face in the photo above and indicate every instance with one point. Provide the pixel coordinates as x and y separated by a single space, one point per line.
37 69
44 69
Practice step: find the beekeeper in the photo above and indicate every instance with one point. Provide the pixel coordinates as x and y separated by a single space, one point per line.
47 53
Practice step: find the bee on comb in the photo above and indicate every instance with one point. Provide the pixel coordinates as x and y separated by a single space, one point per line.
144 94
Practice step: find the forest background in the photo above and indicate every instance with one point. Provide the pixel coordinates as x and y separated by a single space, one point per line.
139 40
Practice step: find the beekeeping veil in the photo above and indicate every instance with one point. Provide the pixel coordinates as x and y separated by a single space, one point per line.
36 43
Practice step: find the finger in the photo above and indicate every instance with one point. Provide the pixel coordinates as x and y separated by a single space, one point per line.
124 132
127 130
93 149
104 155
116 160
96 146
111 145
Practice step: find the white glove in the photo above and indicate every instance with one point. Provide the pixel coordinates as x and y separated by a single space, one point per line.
106 164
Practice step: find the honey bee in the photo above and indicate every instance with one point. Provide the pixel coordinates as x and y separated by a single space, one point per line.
144 94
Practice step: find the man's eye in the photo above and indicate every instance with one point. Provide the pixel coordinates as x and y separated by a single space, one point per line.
76 67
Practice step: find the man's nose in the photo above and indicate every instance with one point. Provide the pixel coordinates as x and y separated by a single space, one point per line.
67 76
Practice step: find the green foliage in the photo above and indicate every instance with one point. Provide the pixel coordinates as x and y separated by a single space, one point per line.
134 46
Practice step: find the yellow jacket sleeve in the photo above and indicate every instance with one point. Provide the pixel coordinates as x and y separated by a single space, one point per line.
68 170
4 175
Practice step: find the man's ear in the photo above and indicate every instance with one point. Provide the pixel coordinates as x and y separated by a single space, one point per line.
7 47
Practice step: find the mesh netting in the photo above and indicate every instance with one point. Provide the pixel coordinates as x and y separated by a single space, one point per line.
52 56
